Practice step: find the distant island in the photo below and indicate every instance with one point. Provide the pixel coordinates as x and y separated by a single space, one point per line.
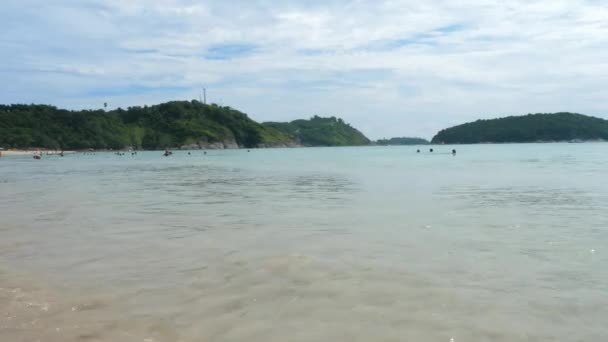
557 127
402 141
177 124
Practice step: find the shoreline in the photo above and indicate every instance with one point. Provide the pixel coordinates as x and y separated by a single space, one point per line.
32 152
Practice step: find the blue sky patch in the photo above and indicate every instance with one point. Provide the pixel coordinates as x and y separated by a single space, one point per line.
451 28
422 39
230 51
143 51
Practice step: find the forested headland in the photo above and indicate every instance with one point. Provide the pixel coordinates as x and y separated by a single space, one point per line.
554 127
177 124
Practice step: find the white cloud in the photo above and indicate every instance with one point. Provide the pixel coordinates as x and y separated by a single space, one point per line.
389 67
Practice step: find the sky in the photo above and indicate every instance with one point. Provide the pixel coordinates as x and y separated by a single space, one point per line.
390 68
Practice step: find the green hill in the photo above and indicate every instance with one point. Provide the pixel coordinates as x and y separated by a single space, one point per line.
402 141
321 132
527 128
178 124
172 124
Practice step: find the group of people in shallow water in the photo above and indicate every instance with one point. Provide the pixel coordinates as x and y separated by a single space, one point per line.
38 154
133 153
169 153
431 151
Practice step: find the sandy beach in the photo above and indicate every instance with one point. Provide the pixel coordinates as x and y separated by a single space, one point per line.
31 152
16 152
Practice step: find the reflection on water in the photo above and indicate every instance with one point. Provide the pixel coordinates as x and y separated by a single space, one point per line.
500 243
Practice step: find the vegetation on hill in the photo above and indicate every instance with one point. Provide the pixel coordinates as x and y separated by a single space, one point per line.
402 141
168 125
23 126
180 123
527 128
320 131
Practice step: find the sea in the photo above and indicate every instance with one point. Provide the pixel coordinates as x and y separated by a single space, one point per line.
501 242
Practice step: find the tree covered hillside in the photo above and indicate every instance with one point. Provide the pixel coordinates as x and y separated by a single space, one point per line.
528 128
320 131
171 124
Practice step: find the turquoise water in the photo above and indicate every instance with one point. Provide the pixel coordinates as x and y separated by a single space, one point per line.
497 243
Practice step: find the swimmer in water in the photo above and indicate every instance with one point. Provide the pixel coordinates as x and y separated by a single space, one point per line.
431 150
453 152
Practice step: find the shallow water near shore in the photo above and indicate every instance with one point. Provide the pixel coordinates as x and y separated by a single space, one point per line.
497 243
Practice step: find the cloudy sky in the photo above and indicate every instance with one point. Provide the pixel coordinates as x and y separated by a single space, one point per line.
390 68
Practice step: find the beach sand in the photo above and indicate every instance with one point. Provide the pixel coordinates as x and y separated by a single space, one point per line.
16 152
27 152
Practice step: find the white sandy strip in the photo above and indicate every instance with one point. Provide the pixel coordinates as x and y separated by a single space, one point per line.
24 152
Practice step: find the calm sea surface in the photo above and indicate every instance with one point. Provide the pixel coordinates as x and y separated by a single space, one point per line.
498 243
